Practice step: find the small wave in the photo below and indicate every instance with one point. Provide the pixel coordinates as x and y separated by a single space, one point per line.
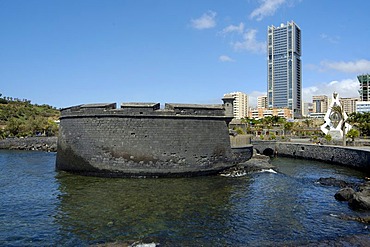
269 170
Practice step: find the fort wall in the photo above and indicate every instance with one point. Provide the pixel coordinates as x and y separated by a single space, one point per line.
140 139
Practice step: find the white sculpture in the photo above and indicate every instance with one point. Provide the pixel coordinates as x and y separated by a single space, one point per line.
335 119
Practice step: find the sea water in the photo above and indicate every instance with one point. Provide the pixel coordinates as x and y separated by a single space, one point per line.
285 206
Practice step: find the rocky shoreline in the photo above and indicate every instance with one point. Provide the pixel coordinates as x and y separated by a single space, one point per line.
42 143
255 164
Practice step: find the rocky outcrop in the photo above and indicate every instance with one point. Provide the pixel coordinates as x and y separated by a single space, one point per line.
256 164
361 199
357 195
333 182
344 194
47 144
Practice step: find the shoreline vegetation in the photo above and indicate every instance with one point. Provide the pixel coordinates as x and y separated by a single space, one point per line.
20 118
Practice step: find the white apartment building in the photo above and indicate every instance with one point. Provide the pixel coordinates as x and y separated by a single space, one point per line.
262 101
349 104
240 104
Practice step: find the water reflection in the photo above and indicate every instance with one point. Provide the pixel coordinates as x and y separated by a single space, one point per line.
188 210
261 209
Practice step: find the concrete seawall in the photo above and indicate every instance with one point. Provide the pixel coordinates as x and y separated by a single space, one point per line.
353 157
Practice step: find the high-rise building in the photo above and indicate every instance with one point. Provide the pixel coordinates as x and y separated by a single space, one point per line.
284 73
320 103
240 104
262 102
349 104
307 109
364 87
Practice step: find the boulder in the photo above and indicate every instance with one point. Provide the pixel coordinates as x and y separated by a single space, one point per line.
255 164
345 194
360 201
333 182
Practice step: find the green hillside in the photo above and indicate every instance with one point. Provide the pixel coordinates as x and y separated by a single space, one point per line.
20 118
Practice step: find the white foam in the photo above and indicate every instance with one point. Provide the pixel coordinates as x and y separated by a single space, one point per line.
269 170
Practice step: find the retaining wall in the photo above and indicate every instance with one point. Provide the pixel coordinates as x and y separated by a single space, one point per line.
347 156
30 143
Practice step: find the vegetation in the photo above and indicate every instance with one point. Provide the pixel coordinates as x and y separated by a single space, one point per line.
274 127
328 137
353 133
20 118
361 121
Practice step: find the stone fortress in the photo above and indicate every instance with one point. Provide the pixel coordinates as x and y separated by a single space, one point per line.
141 139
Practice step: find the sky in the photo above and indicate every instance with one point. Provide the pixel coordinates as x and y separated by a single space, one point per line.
71 52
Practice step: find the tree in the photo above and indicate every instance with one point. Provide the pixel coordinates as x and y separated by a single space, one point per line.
288 126
361 121
308 122
353 133
239 131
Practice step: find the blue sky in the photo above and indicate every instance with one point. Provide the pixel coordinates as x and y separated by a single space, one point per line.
69 52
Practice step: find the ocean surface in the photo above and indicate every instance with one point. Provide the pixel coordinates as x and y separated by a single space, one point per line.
43 207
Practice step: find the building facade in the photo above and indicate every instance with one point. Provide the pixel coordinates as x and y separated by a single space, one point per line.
262 102
364 87
284 69
320 104
349 104
264 112
240 104
307 109
362 106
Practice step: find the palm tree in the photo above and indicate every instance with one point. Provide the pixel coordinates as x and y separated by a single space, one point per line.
308 122
339 110
288 126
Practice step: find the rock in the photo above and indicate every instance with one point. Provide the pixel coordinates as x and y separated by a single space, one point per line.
345 194
365 219
333 182
255 164
360 201
364 188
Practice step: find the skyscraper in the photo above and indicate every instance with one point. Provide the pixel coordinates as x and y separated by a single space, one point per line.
284 87
364 87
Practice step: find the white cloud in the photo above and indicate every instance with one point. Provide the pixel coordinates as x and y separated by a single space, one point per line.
224 58
359 66
233 28
330 39
250 43
207 20
345 88
252 98
267 8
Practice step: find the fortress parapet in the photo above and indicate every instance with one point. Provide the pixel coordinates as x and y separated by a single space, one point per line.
141 139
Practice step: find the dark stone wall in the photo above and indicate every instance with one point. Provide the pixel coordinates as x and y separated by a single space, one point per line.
30 143
347 156
136 142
